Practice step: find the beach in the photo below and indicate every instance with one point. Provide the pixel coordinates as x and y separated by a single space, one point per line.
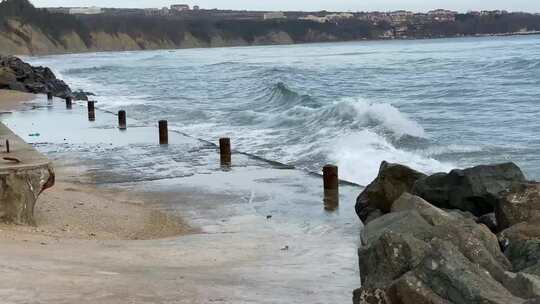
123 224
74 211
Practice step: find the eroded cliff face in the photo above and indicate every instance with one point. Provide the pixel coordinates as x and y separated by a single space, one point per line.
25 39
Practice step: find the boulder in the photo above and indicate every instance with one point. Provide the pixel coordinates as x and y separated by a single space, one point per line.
524 285
453 277
7 77
391 181
489 220
520 203
475 190
390 257
31 79
522 246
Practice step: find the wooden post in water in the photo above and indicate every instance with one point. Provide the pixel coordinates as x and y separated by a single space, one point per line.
122 120
225 151
91 111
7 146
163 132
49 96
69 102
331 187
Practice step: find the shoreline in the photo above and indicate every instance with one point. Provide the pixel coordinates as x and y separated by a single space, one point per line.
255 224
83 211
516 34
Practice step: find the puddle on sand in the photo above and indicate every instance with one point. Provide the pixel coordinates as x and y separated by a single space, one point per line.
280 244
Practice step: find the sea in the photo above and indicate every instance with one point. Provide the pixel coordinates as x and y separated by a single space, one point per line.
433 105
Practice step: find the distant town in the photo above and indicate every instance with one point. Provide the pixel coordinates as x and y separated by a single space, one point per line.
400 20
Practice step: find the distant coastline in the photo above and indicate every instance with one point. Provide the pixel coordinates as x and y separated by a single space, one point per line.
26 30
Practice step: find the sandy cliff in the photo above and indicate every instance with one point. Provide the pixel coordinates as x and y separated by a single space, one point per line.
26 39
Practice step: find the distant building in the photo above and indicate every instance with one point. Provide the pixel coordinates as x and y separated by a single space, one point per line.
58 10
196 8
442 15
85 10
328 18
180 7
314 18
274 15
156 11
400 17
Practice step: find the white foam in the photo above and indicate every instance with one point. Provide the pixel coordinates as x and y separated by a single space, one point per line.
359 155
385 114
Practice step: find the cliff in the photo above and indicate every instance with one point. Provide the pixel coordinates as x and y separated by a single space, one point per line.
26 30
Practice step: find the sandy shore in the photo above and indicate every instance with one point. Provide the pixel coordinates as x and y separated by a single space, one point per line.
13 100
76 211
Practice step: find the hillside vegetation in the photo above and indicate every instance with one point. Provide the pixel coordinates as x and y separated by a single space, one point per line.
26 30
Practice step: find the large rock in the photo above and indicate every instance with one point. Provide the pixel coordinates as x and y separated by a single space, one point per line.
521 203
391 182
522 246
475 190
443 276
31 79
7 77
19 190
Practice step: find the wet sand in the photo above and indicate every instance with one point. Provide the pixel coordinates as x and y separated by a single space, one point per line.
14 100
253 233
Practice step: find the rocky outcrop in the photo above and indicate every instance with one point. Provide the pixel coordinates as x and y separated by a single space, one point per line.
475 190
416 252
391 182
16 74
520 203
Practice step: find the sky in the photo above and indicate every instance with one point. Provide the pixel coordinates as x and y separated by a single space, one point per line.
313 5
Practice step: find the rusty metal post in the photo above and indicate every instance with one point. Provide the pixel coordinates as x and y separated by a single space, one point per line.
122 120
69 102
7 146
49 96
225 151
331 187
163 132
91 111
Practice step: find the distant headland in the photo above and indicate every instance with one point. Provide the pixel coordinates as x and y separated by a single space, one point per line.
26 30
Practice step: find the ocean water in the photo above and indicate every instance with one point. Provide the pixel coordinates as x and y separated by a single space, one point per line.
431 104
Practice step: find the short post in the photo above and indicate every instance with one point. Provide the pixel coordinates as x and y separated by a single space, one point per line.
49 96
122 120
163 132
225 151
7 146
69 102
91 111
331 187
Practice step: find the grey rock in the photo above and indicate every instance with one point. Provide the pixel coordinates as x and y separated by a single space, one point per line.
453 277
390 257
520 203
489 220
391 181
475 189
33 79
523 246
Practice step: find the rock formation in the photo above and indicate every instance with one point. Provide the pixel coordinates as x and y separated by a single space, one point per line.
415 252
18 75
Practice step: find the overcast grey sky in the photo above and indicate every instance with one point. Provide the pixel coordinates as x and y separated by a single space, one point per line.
314 5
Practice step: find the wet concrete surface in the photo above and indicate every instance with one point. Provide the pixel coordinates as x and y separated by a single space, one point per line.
266 237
